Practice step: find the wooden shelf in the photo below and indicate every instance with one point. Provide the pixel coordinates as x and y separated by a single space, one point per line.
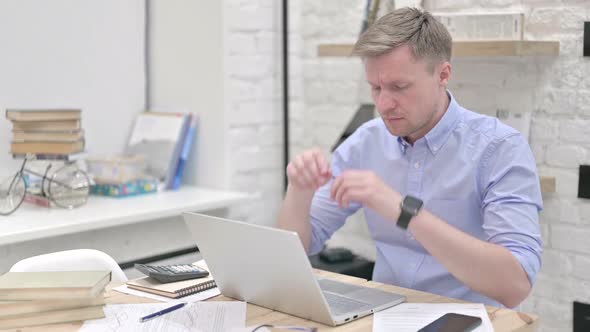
471 48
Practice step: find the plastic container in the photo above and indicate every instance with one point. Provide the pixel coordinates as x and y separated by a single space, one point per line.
117 169
132 188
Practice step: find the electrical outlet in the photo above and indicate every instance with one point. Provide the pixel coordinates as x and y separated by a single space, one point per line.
584 182
586 38
581 317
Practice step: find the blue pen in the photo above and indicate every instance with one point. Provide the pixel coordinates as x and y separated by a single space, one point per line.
161 312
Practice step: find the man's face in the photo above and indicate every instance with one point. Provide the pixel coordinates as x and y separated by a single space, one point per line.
406 92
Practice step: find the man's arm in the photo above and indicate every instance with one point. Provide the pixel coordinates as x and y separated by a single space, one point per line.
307 208
306 173
294 214
487 268
502 268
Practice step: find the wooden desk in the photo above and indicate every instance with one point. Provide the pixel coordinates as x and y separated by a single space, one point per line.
502 319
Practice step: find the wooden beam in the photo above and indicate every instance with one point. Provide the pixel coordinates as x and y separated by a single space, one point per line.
471 48
505 48
334 49
548 184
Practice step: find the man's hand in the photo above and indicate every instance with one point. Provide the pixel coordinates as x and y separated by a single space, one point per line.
367 188
309 171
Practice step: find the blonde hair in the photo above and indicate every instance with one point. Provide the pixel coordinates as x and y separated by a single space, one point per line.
428 38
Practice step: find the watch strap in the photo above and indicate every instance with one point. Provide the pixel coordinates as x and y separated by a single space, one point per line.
409 208
404 218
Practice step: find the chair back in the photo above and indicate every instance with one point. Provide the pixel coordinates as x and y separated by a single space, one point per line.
72 260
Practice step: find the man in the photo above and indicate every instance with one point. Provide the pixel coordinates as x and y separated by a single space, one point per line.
476 236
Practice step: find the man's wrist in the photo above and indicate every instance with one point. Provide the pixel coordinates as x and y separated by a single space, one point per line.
396 206
409 208
300 195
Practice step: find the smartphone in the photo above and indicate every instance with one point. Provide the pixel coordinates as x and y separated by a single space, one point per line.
453 323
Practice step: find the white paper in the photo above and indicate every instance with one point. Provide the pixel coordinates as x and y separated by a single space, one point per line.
198 316
410 317
201 296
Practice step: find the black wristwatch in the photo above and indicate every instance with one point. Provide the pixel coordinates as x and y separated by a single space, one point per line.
410 207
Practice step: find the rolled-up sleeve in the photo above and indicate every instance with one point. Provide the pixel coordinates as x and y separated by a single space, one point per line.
512 201
325 215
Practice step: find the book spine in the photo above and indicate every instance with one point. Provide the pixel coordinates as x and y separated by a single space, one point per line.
188 143
65 157
176 154
479 26
37 200
197 288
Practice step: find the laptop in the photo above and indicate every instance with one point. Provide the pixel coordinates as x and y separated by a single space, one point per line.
268 267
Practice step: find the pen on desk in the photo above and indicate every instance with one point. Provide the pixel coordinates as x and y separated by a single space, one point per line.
161 312
292 328
298 328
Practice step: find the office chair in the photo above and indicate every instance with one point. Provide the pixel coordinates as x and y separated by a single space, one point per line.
72 260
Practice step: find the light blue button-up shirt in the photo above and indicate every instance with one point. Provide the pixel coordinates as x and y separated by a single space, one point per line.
471 170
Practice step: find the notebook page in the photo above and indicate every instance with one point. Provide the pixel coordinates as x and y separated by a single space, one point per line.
410 317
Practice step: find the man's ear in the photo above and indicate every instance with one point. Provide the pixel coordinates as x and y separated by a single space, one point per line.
444 73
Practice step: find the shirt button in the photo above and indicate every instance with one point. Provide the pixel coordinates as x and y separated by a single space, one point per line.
435 148
417 165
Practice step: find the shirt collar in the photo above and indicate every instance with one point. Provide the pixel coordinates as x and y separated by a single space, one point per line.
403 144
438 135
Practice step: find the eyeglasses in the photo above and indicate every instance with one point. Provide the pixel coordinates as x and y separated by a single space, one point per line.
68 187
289 328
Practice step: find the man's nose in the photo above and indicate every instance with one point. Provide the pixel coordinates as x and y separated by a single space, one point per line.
385 101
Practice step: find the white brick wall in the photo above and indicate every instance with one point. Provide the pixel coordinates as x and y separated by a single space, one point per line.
253 76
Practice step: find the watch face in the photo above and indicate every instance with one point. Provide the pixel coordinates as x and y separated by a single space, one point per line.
412 203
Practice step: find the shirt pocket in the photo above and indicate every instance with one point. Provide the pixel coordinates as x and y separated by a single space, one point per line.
464 214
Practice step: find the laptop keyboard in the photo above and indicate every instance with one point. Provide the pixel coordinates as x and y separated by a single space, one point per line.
337 287
342 305
346 298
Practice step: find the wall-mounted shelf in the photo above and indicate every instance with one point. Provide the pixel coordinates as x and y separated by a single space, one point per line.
32 222
548 184
471 48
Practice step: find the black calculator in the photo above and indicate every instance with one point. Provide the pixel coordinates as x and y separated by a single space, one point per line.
172 273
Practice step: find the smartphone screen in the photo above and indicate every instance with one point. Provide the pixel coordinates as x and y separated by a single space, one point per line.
453 323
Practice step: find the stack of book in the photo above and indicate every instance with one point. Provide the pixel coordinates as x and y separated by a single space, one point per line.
46 131
39 298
